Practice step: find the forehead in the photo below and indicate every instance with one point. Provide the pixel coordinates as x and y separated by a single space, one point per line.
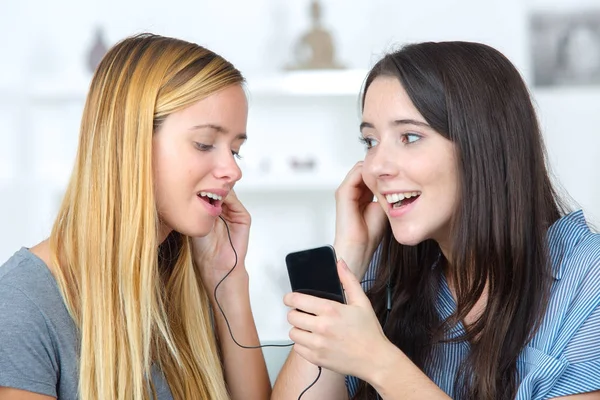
227 107
386 99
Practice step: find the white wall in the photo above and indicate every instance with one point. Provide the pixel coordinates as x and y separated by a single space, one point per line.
46 42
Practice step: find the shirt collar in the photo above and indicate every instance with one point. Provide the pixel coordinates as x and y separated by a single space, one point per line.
563 236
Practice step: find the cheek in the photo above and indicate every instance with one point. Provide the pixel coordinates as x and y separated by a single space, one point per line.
171 181
163 173
175 169
442 179
438 169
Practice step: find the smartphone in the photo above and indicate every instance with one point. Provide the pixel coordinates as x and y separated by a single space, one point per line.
314 272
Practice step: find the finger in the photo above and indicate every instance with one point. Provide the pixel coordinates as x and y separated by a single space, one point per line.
353 188
353 179
302 320
233 202
352 288
310 304
232 195
302 338
233 207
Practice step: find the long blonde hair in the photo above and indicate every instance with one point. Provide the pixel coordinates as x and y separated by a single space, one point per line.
133 310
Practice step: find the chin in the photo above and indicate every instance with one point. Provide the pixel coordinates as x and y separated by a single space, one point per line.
199 230
406 237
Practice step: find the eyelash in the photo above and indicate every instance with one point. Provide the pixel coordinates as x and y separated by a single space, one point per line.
368 142
406 135
208 147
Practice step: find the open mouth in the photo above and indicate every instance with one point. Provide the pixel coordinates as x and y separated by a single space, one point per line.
399 200
211 198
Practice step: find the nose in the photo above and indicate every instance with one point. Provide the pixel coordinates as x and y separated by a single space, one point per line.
382 161
227 167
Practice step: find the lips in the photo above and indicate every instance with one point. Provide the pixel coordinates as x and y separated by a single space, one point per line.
213 207
401 202
209 200
212 199
400 197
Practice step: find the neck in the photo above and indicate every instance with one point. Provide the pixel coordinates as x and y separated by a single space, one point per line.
163 232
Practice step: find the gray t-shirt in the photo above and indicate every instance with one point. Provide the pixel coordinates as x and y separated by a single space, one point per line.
39 342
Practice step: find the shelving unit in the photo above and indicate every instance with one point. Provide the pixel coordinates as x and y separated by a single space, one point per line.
297 92
301 87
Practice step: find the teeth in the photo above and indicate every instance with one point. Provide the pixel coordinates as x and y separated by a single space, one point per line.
211 195
396 197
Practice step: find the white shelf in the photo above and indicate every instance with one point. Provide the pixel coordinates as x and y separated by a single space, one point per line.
345 82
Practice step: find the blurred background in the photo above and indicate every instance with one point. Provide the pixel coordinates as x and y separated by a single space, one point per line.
305 64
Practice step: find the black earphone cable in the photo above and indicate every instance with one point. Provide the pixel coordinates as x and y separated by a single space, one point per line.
312 384
227 321
221 308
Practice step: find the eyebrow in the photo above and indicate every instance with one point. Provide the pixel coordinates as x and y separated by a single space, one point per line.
397 122
219 129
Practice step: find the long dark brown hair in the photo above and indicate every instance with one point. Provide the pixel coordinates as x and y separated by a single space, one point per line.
471 94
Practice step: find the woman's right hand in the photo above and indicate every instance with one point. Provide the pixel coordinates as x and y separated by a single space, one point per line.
360 222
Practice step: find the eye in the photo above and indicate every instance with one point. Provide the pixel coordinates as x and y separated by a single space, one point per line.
203 147
236 154
408 138
369 143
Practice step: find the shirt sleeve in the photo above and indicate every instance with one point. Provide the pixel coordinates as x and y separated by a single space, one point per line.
582 356
27 357
576 345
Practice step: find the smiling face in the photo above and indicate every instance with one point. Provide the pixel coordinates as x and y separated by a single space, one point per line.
194 158
411 169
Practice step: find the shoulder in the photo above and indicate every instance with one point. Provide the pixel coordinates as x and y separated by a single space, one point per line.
26 274
575 255
38 338
575 294
30 302
28 351
559 358
578 270
28 295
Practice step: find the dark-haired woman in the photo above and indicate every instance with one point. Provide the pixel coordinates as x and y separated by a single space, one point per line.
479 283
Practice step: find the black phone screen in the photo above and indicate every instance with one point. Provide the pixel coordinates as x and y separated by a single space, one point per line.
314 272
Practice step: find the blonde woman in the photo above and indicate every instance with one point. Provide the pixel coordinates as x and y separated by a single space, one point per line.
117 303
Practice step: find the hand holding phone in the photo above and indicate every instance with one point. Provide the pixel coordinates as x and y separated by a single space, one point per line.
314 272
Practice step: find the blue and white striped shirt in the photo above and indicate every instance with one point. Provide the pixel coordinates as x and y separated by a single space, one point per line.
563 358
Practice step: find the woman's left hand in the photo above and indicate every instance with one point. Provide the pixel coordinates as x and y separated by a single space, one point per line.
345 338
213 253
